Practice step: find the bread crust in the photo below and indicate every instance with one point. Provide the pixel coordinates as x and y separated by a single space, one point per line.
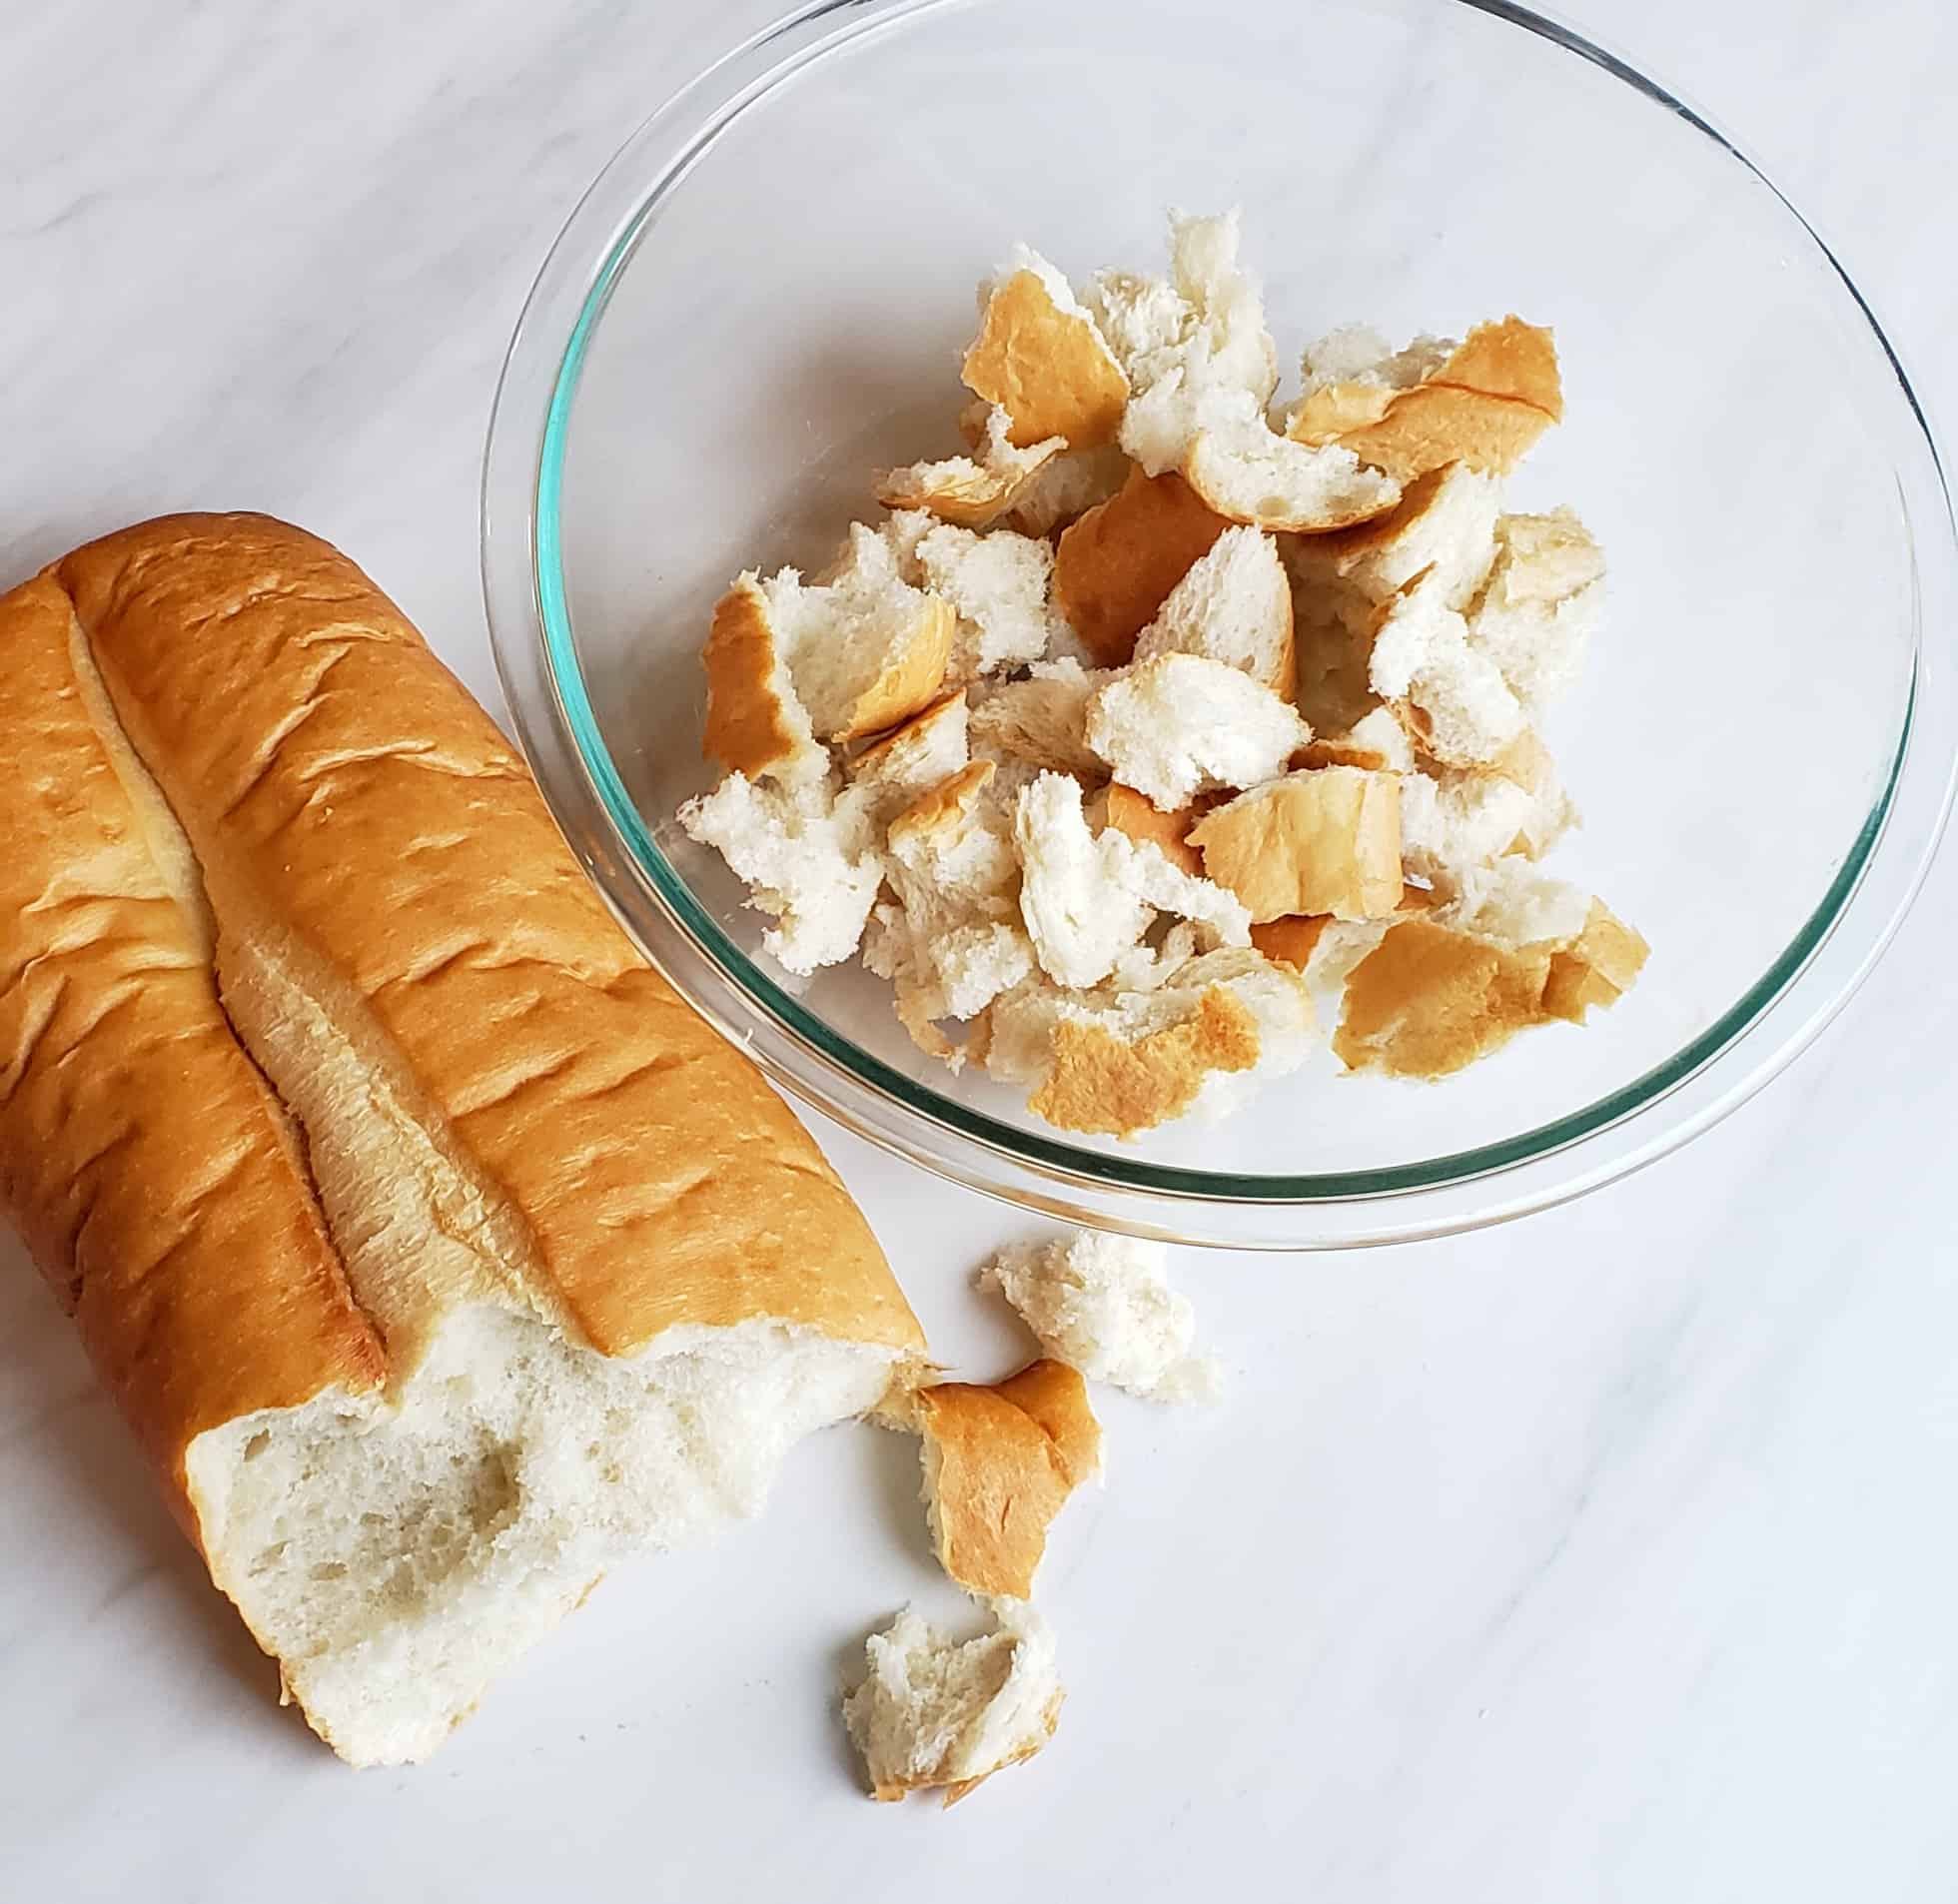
356 815
1110 1086
1048 368
1115 566
158 1185
1004 1458
746 728
1486 406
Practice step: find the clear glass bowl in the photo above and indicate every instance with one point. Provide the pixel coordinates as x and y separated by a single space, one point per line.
760 302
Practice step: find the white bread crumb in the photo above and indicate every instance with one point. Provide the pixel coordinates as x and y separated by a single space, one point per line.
1178 725
1103 1303
1540 605
1421 655
933 1712
997 585
1088 898
806 866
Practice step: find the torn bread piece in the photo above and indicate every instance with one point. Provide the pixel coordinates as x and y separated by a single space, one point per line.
950 940
937 1713
1103 1303
864 649
1118 1063
1321 840
1088 898
1540 604
997 585
1000 1462
1484 403
1452 695
1443 529
1597 968
892 770
1040 358
1243 469
1234 604
1116 567
1441 991
1178 725
1066 487
1043 720
806 865
1429 999
755 723
1191 348
973 491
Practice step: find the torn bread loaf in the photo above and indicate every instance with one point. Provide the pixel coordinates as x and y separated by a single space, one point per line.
937 1713
438 1254
1000 1460
1103 1304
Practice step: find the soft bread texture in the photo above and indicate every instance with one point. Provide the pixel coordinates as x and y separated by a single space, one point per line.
1234 604
1322 840
999 1463
865 650
1177 726
1245 471
1103 1304
892 770
806 862
1043 719
1115 567
587 1275
1040 358
973 491
1484 404
934 1713
997 585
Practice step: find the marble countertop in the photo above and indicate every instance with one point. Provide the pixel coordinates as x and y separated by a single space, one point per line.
1606 1557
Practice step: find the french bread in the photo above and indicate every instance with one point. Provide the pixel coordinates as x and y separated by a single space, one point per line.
439 1255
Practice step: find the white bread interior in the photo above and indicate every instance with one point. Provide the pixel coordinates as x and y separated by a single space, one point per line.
1177 726
1233 605
1103 1303
937 1713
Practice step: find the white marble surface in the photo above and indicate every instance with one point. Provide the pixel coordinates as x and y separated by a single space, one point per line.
1607 1557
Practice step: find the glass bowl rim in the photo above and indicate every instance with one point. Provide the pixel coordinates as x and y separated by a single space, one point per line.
542 678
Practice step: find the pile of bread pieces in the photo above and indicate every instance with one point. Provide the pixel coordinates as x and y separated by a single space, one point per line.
1168 723
440 1257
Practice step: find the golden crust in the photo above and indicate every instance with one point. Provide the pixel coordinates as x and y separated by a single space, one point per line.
1429 999
1496 394
346 796
1108 1086
1115 566
1321 840
910 738
895 1788
1597 968
1006 1459
153 1176
910 679
1288 941
1141 819
968 494
745 731
1048 368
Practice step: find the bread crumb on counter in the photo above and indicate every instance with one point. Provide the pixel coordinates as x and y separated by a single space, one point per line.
1170 704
